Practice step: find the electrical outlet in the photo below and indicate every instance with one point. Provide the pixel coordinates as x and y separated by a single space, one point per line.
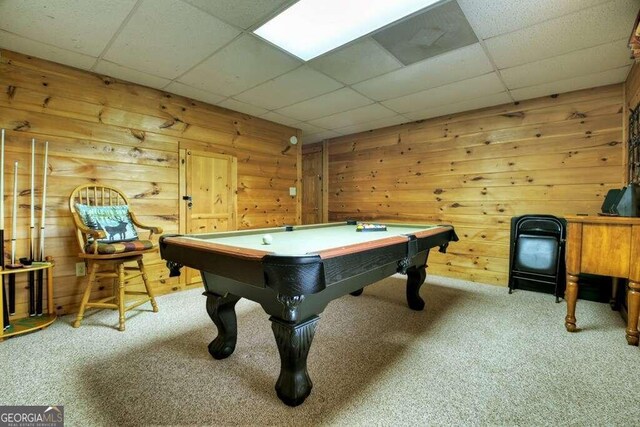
81 269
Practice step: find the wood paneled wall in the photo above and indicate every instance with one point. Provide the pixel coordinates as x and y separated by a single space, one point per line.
108 131
554 155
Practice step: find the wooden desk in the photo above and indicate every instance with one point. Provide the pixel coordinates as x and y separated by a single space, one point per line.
608 246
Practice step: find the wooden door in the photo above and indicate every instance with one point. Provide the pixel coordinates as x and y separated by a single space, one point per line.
209 201
312 175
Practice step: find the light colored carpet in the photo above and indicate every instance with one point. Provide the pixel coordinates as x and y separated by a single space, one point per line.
475 356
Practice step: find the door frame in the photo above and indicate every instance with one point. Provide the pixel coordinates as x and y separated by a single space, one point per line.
183 210
182 187
324 182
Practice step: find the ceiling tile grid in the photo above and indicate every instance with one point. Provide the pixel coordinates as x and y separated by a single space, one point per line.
298 85
77 25
243 107
241 65
589 27
616 75
495 17
324 105
168 37
45 51
450 67
573 64
457 107
476 87
356 62
130 75
205 50
352 117
375 124
243 14
194 93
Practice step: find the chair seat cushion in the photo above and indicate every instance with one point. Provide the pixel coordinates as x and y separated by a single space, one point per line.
120 247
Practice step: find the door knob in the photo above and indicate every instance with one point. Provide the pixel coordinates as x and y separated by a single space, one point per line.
189 201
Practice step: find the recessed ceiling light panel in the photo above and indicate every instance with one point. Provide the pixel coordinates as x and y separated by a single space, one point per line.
310 28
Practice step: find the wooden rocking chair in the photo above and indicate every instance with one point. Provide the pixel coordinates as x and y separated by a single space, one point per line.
107 236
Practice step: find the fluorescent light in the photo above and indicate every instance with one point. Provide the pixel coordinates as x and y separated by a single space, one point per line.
312 27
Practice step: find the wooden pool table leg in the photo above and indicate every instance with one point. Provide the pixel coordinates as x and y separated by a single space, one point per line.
415 279
293 340
221 309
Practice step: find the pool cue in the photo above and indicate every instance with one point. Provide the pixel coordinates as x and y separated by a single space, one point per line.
40 296
14 228
32 275
5 301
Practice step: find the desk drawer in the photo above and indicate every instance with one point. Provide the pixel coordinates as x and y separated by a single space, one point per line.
606 249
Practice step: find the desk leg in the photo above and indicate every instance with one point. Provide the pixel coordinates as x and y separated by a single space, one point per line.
221 309
294 340
633 303
571 295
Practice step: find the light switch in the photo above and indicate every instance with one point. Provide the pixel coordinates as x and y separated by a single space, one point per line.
293 191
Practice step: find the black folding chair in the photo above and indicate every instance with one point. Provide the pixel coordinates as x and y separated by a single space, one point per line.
536 258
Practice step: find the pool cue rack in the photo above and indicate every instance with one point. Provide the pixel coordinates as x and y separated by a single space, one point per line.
33 266
31 323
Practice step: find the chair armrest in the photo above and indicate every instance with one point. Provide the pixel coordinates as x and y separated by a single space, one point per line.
152 230
96 234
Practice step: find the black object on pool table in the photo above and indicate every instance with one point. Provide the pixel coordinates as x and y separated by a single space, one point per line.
371 227
295 280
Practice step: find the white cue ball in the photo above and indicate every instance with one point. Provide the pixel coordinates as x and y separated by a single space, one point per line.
267 239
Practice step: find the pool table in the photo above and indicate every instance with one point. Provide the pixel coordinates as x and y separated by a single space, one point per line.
295 275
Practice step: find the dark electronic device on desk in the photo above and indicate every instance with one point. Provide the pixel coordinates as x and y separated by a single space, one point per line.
624 202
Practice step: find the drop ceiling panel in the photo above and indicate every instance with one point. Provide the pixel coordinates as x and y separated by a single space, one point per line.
364 114
335 102
376 124
356 62
476 87
167 37
45 51
586 61
244 14
317 137
242 64
203 49
127 74
617 75
495 17
70 24
467 105
243 107
295 86
597 25
194 93
440 29
450 67
309 129
279 118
